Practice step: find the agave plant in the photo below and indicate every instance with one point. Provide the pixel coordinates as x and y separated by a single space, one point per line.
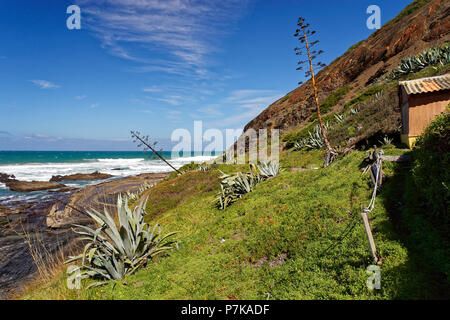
386 141
134 196
300 144
339 118
315 139
428 57
113 251
235 186
269 169
204 167
354 111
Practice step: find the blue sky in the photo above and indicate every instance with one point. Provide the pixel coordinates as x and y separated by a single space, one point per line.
155 65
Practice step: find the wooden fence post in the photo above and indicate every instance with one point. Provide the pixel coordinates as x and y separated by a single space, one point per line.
369 235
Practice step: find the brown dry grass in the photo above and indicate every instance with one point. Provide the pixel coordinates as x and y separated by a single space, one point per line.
49 262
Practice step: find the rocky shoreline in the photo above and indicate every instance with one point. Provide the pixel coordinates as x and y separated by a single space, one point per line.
49 223
53 184
82 177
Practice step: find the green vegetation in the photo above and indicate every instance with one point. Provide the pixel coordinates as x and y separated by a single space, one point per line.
285 98
301 159
295 236
315 139
169 194
423 221
233 187
291 138
354 46
436 56
367 94
411 8
428 72
376 116
299 234
113 251
332 100
430 170
269 169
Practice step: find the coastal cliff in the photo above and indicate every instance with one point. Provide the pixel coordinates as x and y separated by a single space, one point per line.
417 27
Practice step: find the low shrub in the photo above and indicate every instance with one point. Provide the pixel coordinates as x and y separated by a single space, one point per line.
430 169
332 100
366 95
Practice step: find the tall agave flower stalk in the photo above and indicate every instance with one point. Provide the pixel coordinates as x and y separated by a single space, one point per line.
303 33
113 251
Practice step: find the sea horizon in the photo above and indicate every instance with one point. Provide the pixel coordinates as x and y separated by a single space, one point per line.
43 165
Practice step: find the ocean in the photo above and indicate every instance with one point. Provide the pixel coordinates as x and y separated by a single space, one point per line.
42 165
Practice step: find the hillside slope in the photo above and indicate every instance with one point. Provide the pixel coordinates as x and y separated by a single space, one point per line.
296 236
421 25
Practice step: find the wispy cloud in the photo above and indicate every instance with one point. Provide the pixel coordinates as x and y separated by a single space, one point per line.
5 133
146 111
44 84
152 89
95 105
212 111
81 97
183 31
247 105
174 115
173 100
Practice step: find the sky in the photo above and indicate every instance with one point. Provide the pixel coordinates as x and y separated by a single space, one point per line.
155 65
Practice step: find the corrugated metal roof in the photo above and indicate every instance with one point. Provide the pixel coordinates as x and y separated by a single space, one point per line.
426 84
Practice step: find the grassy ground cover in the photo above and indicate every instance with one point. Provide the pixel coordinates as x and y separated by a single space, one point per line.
297 236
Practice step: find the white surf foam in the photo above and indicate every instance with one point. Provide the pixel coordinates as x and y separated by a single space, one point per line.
115 167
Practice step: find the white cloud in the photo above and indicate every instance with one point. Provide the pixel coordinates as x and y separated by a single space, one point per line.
247 105
212 111
173 100
242 95
44 84
95 105
185 32
152 89
174 115
82 97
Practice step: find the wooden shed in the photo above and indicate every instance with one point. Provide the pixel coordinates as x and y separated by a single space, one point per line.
421 100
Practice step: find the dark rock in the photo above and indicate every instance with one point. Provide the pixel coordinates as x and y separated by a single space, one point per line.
98 197
82 177
4 177
65 189
27 186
